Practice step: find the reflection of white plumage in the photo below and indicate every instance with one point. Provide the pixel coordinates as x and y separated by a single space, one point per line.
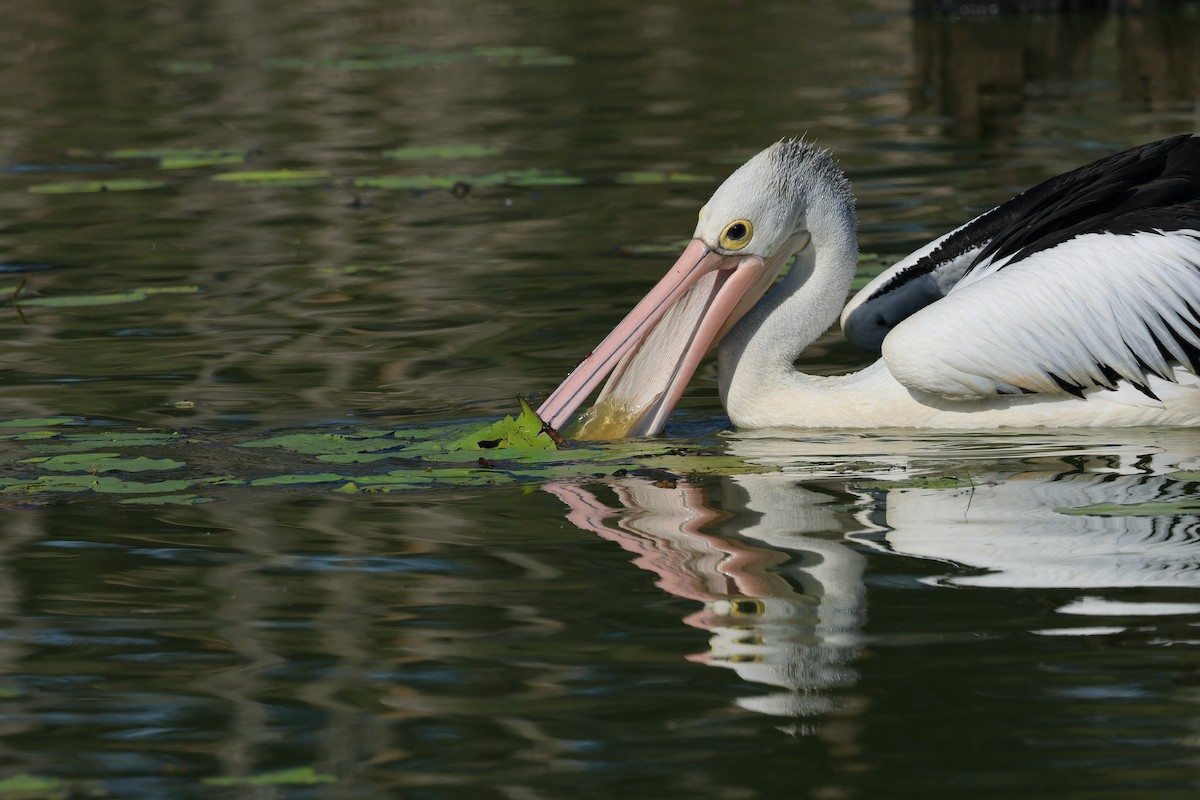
1076 303
1022 530
805 644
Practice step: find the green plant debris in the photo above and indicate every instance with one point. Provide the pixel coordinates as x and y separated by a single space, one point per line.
103 484
650 177
186 162
520 177
155 153
115 298
89 458
442 151
28 436
36 787
299 479
917 482
37 422
1157 508
331 443
167 500
80 442
289 777
276 177
86 187
525 431
100 462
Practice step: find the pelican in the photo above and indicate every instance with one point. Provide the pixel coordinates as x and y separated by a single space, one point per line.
1074 304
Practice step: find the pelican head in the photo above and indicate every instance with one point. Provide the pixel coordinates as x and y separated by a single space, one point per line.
746 235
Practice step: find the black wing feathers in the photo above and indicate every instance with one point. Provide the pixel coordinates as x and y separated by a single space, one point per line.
1152 187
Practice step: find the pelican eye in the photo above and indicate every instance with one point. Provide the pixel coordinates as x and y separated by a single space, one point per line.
746 607
737 234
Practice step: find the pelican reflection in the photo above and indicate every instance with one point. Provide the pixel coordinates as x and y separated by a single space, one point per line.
779 560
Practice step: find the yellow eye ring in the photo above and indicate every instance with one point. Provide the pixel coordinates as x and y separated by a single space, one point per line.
736 234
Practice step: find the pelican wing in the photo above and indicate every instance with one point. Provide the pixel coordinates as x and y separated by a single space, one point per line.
1157 177
1088 312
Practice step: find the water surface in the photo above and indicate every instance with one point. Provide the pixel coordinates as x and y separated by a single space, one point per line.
871 614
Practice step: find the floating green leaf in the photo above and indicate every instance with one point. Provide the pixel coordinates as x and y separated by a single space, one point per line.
86 187
34 787
330 443
37 422
127 296
524 432
167 500
277 177
427 478
299 479
442 151
83 441
28 436
917 482
1159 508
523 177
182 157
288 777
104 484
100 462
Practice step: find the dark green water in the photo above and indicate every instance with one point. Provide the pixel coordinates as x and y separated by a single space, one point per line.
884 615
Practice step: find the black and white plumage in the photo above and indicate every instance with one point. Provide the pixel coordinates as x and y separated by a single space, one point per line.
1106 259
1076 303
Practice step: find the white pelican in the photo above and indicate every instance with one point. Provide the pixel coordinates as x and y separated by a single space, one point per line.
1074 304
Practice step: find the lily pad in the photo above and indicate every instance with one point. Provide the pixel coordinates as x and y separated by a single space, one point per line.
288 777
523 432
918 482
88 187
523 177
84 441
442 151
277 177
167 500
37 422
1161 508
100 462
104 484
35 787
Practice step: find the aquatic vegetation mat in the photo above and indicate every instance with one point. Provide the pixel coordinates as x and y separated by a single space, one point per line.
55 457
